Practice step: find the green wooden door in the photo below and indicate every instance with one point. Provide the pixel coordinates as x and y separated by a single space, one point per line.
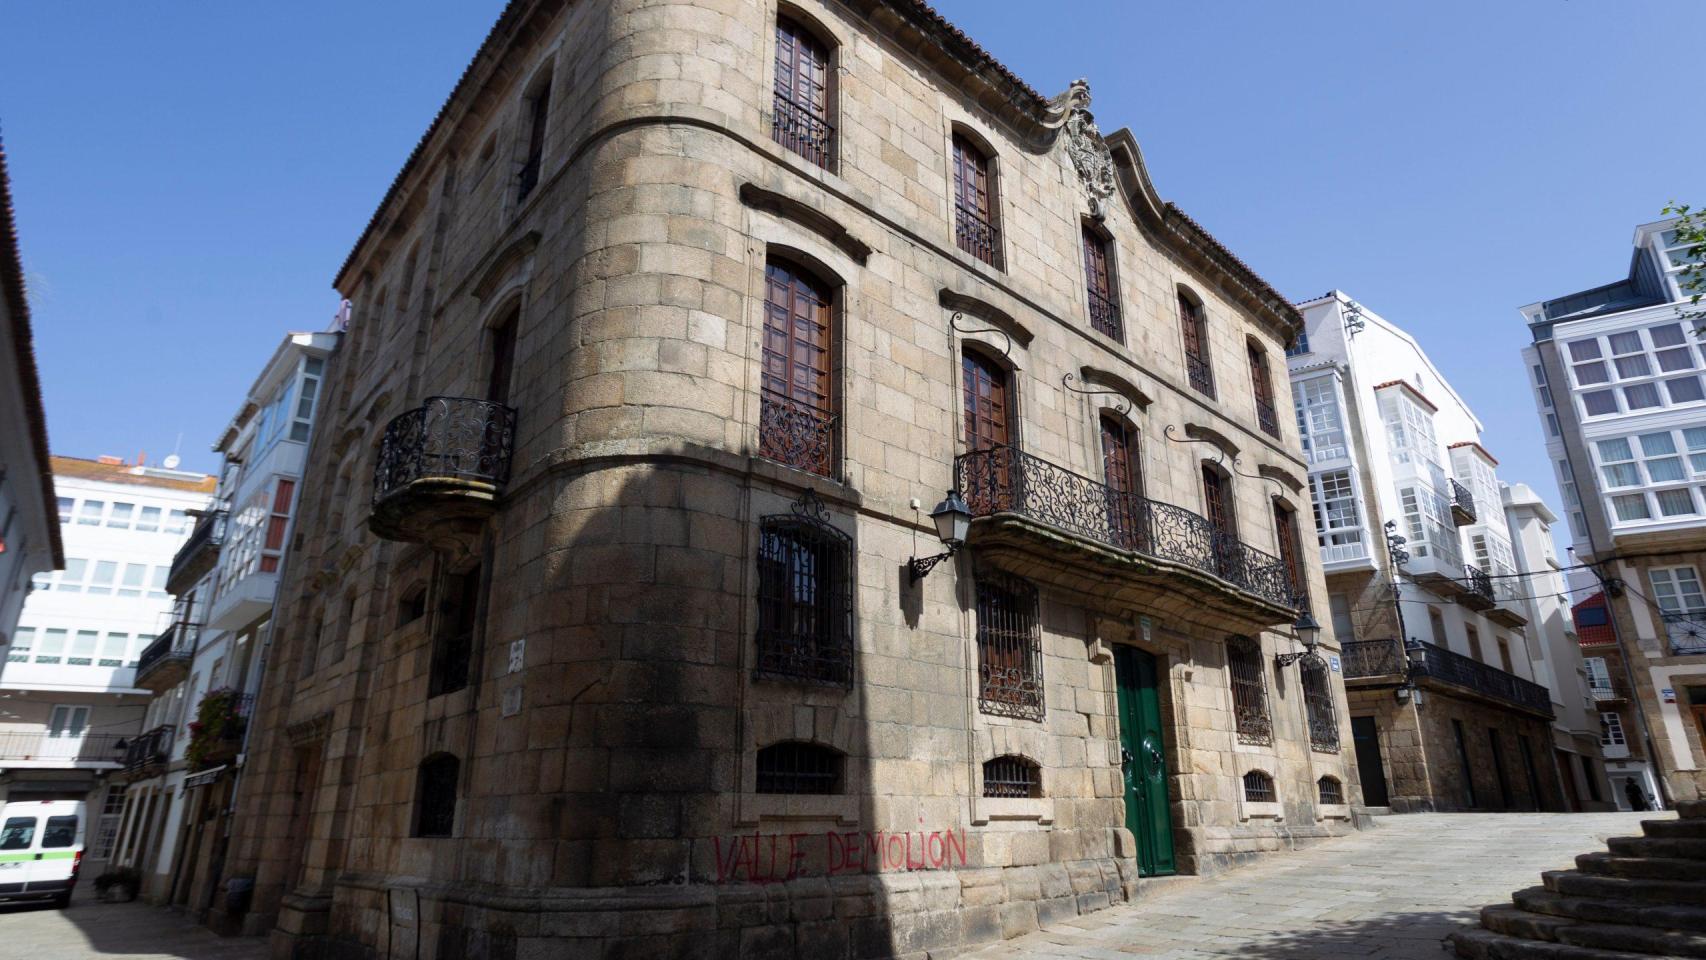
1148 812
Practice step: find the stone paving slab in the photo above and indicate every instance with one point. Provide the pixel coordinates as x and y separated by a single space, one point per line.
88 929
1390 893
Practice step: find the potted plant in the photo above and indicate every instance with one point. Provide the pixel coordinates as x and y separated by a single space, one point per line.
217 728
118 885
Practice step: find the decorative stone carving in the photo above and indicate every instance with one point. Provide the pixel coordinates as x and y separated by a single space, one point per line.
1084 144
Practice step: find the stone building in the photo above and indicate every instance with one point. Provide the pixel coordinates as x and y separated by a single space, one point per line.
1616 371
617 621
1431 611
1607 677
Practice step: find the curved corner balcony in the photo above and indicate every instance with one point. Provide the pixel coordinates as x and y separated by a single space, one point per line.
441 468
1116 549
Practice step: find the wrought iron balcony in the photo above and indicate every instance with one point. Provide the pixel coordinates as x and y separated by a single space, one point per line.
1266 418
977 236
1385 660
1166 547
148 753
441 466
802 130
164 662
1201 375
1105 317
198 554
32 746
1478 592
1462 504
1686 631
797 434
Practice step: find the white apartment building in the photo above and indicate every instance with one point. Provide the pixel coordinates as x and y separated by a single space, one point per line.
1617 374
1447 708
70 707
207 666
29 533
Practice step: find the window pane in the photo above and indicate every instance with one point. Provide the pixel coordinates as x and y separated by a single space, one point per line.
1621 475
1676 503
75 570
1629 341
120 516
52 641
1668 335
1641 396
105 572
83 645
1616 449
1678 359
90 513
1584 350
1665 470
1684 389
1587 373
65 504
149 519
1631 507
23 639
114 646
1657 444
1635 366
175 522
1599 403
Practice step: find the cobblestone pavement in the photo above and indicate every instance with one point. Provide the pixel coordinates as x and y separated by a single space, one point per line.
1391 893
88 929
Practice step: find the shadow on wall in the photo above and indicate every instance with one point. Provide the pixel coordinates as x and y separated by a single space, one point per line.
89 928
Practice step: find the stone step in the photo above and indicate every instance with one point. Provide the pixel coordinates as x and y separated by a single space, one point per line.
1691 809
1516 922
1577 884
1678 848
1641 868
1695 829
1614 912
1478 944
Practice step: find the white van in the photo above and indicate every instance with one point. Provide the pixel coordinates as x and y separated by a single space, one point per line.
41 849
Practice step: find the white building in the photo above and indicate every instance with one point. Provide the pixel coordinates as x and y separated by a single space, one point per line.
1439 642
69 704
1617 374
29 532
208 665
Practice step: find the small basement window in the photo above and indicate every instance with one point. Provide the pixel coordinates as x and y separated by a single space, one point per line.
1258 787
796 767
1331 790
1011 776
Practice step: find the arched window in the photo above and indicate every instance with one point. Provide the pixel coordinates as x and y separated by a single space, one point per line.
1195 328
805 596
1099 277
502 368
1245 669
1262 385
1318 705
435 796
796 424
1228 552
1259 787
1122 472
1291 553
1331 790
1009 648
977 229
800 115
794 766
453 638
986 470
538 110
1011 776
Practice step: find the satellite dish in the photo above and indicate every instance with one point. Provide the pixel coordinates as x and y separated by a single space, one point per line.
171 462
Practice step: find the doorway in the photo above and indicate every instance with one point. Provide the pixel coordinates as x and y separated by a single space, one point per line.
1371 769
1148 807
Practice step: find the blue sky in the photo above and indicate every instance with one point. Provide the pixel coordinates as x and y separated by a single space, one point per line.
189 176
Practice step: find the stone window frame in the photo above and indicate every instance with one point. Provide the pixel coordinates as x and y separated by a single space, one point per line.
541 80
962 129
418 812
1259 809
834 45
1108 248
1333 811
1197 313
1022 740
840 808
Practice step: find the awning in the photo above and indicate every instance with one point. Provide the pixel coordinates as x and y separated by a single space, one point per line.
204 777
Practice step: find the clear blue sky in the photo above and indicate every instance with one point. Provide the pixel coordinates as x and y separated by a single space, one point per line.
189 176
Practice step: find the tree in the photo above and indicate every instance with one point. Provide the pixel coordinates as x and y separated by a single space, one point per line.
1691 229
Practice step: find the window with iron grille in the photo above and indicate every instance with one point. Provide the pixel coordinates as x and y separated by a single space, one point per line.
1009 648
794 766
976 229
1318 705
1331 790
1195 329
800 117
1258 787
435 796
1291 553
1099 276
1244 664
1011 776
796 422
453 640
805 596
1262 385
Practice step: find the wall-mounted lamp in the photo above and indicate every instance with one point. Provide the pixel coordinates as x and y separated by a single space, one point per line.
1415 661
1308 633
953 520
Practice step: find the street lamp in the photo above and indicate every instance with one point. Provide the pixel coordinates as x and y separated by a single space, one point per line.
1308 633
1415 659
953 520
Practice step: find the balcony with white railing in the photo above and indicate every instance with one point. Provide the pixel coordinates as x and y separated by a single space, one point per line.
1436 558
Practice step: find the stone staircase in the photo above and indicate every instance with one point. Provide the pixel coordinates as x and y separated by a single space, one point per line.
1645 897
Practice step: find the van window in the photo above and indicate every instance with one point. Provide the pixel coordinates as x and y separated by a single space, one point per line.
17 833
60 832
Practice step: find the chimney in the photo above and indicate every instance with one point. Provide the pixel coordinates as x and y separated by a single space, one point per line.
110 460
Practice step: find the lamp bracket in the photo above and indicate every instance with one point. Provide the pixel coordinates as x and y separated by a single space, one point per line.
1124 404
919 567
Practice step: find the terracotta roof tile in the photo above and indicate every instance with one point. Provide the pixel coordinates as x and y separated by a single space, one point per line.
125 473
1411 388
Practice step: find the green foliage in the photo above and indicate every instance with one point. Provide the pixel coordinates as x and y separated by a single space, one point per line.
217 721
1691 229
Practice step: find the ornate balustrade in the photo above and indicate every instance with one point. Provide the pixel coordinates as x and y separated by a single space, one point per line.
1368 659
441 463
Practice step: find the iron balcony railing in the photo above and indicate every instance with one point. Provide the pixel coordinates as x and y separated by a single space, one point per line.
18 746
152 747
1462 504
802 130
796 433
976 235
1201 375
1478 583
1004 480
1105 316
178 642
1266 418
1686 630
1606 691
455 438
208 534
1364 659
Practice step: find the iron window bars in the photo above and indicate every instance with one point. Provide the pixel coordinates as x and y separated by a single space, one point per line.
1258 787
1249 691
1004 480
1331 790
1011 776
1318 705
795 767
805 596
796 434
1009 648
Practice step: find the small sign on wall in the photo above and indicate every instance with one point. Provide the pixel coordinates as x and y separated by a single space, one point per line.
1333 661
1669 694
517 654
1146 630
